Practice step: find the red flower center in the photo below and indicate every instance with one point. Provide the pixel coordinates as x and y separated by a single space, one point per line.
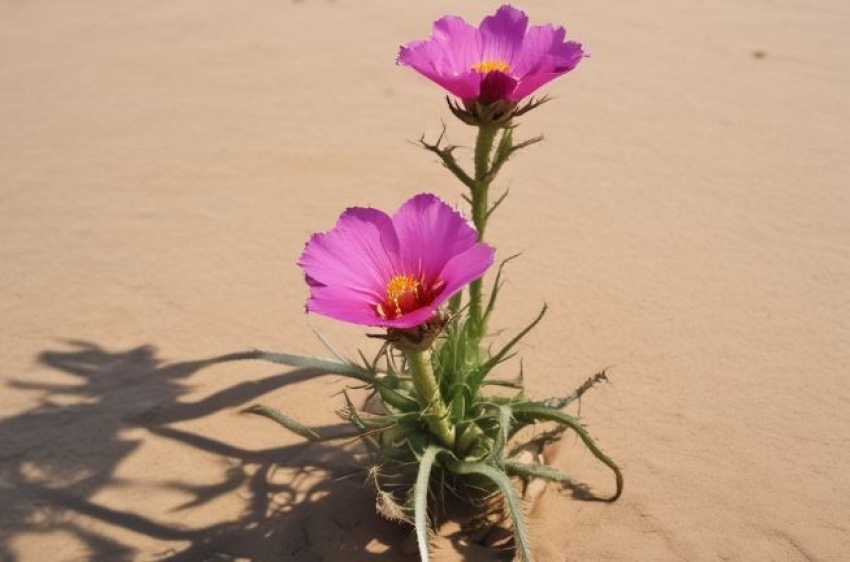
406 293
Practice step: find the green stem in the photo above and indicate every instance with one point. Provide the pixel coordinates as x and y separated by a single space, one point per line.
483 149
467 439
436 413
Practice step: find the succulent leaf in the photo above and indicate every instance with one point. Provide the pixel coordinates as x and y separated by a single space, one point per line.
292 425
501 480
540 412
420 499
477 376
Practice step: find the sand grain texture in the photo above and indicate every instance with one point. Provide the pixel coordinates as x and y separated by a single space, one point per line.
687 220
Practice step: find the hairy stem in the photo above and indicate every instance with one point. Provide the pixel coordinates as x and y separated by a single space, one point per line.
428 391
483 150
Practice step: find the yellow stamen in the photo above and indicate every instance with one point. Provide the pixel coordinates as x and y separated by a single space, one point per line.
490 65
400 289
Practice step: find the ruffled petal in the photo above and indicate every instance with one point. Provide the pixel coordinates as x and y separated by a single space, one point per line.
461 43
348 269
463 269
343 303
360 253
502 59
447 57
356 307
546 55
502 35
430 233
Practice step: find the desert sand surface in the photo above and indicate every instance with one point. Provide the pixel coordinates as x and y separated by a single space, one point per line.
687 220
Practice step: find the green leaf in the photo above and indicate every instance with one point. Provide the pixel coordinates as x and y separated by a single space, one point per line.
498 202
351 414
458 401
325 365
525 143
328 345
540 412
514 509
450 356
420 499
505 419
292 425
448 159
477 376
497 286
396 399
536 470
561 403
388 394
501 153
455 302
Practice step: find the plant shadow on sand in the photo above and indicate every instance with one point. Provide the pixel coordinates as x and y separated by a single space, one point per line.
56 456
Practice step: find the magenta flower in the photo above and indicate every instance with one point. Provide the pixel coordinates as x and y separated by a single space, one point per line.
503 59
378 270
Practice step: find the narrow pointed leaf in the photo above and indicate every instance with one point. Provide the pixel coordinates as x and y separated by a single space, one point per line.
292 425
477 377
504 483
499 382
497 286
397 399
541 412
526 143
505 419
420 499
328 345
498 202
536 470
447 157
325 365
455 302
561 403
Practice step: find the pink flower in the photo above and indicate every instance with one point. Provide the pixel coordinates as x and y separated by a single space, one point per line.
377 270
503 59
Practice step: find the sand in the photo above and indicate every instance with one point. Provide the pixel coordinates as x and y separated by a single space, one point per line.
687 220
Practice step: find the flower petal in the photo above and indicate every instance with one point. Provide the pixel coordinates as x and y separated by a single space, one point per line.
349 268
343 303
360 253
430 233
502 35
461 41
411 319
463 269
546 55
461 58
447 57
356 307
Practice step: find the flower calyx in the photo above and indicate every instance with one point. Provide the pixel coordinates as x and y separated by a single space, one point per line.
419 338
499 113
